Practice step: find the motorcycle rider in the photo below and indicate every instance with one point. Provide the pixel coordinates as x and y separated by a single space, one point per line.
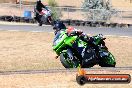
38 8
59 25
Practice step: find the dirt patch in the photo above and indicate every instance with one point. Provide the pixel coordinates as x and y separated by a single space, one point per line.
33 51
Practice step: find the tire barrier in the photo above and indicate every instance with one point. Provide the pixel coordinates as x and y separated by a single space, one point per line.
68 22
94 23
17 19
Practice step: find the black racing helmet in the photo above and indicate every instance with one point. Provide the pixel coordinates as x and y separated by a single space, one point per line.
59 25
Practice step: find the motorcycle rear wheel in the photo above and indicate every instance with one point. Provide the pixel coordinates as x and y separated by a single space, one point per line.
40 24
105 64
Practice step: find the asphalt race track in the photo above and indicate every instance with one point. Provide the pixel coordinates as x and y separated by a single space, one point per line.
94 30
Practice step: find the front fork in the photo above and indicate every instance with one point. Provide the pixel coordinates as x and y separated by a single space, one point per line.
70 54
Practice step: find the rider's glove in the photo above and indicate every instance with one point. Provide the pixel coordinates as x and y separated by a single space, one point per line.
72 33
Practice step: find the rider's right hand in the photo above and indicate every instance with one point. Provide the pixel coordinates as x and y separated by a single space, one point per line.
72 33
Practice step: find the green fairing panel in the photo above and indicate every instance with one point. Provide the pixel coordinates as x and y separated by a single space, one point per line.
70 40
63 41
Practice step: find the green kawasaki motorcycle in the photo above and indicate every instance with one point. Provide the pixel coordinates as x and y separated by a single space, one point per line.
75 52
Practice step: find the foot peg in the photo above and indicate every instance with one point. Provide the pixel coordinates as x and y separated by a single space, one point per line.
56 57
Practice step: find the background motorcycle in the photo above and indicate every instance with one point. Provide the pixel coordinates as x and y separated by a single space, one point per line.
45 17
74 52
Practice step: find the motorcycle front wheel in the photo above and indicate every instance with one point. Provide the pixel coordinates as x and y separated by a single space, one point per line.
63 61
40 23
67 63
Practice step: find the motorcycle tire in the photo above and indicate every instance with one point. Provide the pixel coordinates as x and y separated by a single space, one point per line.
40 24
106 65
63 61
67 63
88 66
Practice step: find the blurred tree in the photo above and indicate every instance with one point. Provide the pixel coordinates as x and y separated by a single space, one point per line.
93 4
98 9
56 14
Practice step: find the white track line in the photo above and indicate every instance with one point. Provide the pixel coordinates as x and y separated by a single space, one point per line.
18 23
13 30
36 31
118 36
